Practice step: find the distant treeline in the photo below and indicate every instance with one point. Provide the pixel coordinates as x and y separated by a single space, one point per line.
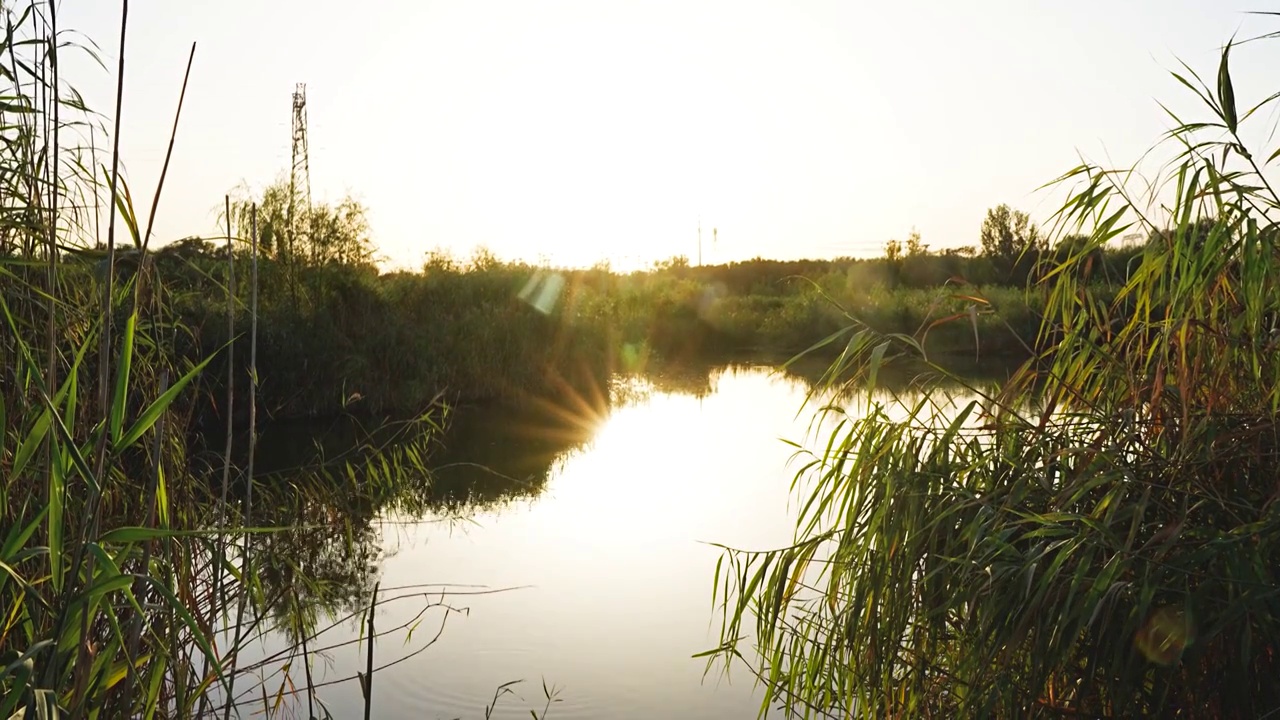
338 336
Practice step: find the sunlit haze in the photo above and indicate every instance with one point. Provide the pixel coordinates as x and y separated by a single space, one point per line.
575 131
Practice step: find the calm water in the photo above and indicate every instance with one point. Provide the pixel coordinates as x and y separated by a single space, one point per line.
597 538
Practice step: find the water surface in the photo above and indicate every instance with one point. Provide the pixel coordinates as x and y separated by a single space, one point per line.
594 529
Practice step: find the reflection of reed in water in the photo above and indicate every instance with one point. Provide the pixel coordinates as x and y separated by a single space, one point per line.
319 567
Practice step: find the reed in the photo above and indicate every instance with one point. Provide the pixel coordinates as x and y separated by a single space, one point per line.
1100 537
87 598
112 552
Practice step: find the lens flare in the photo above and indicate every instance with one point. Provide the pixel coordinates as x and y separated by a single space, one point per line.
1165 635
542 291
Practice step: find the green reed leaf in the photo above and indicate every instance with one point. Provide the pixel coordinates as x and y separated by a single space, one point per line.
1226 93
124 365
148 417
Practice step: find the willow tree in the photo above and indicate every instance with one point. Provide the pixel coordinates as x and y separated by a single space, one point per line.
1100 537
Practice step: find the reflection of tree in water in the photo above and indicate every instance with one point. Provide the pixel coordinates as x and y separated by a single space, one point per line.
492 456
329 492
900 373
323 562
696 379
699 378
322 493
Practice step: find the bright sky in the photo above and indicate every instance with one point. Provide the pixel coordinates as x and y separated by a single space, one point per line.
582 130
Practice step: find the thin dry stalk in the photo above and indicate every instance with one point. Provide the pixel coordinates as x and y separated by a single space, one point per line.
367 679
51 370
104 347
51 327
231 377
218 578
104 383
246 563
168 155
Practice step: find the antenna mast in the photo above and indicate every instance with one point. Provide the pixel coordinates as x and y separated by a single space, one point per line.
300 172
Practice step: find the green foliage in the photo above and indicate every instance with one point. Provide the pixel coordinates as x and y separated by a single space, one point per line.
1009 239
1097 538
480 329
299 236
463 334
915 247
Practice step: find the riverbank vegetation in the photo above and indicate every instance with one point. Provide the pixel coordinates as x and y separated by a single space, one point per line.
481 329
1101 537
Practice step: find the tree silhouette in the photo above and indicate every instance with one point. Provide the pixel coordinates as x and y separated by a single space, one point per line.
1009 239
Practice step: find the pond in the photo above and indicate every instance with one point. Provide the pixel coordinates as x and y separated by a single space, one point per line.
582 558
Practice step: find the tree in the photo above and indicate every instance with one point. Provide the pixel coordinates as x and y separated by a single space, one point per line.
892 250
321 234
1198 230
336 234
1008 237
914 246
672 263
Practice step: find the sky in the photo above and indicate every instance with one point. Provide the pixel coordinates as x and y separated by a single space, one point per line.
580 131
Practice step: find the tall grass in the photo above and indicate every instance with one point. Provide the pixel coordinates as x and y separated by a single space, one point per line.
1101 537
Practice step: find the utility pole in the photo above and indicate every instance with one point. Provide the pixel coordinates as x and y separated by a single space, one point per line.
699 242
